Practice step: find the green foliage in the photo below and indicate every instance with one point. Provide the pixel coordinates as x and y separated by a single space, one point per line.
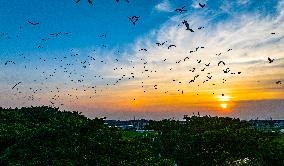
217 141
47 136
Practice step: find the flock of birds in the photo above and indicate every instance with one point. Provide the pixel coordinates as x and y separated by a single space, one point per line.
73 67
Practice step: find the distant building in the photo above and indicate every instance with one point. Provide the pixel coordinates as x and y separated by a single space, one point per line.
130 124
279 124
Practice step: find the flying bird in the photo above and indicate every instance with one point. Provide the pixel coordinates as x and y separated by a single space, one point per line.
16 85
181 10
104 35
58 33
186 58
33 23
227 70
172 45
270 60
6 63
134 19
221 62
201 5
89 1
187 26
160 44
126 1
192 70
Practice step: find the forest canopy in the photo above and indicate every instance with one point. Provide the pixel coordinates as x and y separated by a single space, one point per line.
48 136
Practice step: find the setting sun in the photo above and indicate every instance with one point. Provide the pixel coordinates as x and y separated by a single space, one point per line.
223 98
223 105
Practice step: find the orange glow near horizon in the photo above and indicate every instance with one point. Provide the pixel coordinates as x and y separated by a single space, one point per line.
221 100
224 105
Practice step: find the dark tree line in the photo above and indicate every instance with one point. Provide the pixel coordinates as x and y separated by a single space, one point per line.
47 136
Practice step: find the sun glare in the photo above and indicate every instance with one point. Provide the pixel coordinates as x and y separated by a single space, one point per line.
223 105
224 98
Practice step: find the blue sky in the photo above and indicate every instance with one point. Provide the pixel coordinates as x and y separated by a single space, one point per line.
85 22
245 26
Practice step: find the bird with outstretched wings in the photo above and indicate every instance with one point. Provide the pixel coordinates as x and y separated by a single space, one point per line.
89 1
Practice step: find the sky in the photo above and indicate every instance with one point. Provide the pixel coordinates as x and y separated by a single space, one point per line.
93 59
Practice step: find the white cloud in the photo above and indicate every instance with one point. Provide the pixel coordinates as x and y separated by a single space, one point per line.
243 2
249 36
164 6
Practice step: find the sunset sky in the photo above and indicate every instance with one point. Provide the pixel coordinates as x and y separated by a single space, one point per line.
95 63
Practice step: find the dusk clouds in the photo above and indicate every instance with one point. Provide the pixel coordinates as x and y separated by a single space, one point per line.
128 64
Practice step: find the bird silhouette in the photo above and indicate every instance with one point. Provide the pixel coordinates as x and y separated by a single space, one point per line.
6 63
103 35
134 19
143 49
227 70
187 26
201 5
221 62
192 70
125 0
160 44
33 23
16 85
58 33
89 1
270 60
181 10
172 45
